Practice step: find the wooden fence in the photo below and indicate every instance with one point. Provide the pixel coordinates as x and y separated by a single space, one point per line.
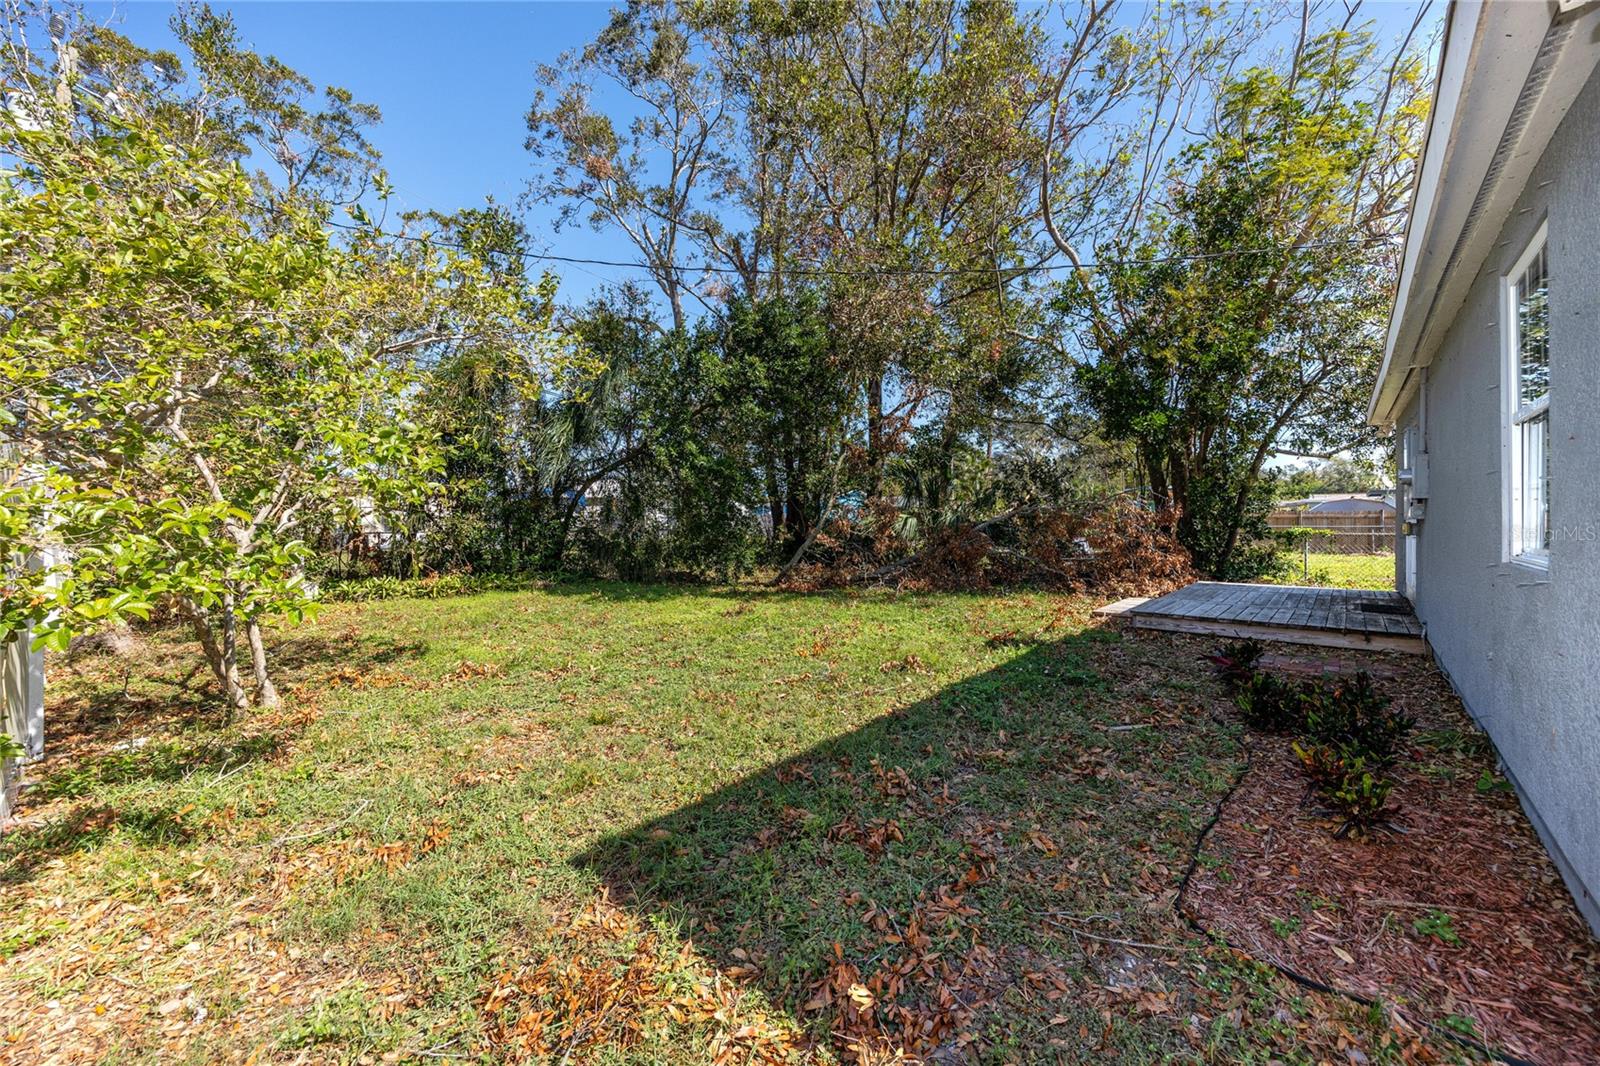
1346 532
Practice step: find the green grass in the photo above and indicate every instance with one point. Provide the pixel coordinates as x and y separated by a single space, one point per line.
679 821
1339 571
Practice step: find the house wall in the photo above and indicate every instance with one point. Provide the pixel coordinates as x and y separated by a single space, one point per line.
1523 646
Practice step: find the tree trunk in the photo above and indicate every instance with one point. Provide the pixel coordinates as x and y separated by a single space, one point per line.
1176 472
1156 471
266 692
944 471
221 651
875 442
797 517
775 531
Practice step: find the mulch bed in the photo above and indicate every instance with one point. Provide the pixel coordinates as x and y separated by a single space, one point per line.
1364 916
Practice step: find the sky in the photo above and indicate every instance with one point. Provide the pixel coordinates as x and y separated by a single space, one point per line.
454 81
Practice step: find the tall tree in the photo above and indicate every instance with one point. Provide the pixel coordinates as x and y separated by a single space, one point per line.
1246 314
248 106
916 129
882 151
789 403
652 177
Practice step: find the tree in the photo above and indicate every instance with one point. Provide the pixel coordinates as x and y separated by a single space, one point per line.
881 153
604 176
249 106
203 377
1332 475
915 128
491 386
707 428
1246 314
229 104
196 372
788 406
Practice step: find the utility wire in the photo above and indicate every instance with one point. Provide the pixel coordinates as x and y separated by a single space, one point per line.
801 271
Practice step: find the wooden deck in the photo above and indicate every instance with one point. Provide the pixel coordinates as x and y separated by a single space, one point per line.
1341 618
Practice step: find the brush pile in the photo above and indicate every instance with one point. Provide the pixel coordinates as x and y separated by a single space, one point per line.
1110 547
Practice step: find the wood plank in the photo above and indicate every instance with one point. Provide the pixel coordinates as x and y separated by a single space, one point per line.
1315 637
1216 606
1121 606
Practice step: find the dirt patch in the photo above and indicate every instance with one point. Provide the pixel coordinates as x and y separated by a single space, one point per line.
1456 914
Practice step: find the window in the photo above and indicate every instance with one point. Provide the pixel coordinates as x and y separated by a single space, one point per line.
1527 405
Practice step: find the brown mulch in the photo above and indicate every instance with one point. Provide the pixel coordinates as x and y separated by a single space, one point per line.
1525 970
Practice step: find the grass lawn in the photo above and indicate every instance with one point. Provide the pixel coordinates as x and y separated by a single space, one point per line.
1340 570
619 824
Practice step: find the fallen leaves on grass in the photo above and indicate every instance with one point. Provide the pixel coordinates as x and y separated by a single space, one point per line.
608 985
911 664
467 670
214 970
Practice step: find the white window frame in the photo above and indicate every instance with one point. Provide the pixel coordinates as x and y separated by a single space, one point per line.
1514 413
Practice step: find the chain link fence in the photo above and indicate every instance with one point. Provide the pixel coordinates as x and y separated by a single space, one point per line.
1339 551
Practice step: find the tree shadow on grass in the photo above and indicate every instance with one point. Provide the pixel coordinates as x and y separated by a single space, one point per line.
146 819
922 882
175 689
102 734
24 852
103 738
299 656
157 763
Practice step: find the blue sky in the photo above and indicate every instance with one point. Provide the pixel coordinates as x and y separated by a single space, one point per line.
454 81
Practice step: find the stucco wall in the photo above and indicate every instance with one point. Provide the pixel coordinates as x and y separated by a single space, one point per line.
1523 646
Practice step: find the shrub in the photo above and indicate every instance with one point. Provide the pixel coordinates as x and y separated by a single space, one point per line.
1354 717
1270 704
1236 663
1352 734
1348 783
366 590
1362 799
1323 763
1348 731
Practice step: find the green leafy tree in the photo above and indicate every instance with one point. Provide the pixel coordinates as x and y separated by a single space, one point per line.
494 383
916 128
202 383
196 373
1246 315
1332 475
787 404
882 153
678 501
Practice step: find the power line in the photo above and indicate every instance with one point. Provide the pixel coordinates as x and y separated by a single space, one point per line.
802 271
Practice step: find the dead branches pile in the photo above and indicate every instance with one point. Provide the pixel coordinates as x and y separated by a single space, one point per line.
1109 547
